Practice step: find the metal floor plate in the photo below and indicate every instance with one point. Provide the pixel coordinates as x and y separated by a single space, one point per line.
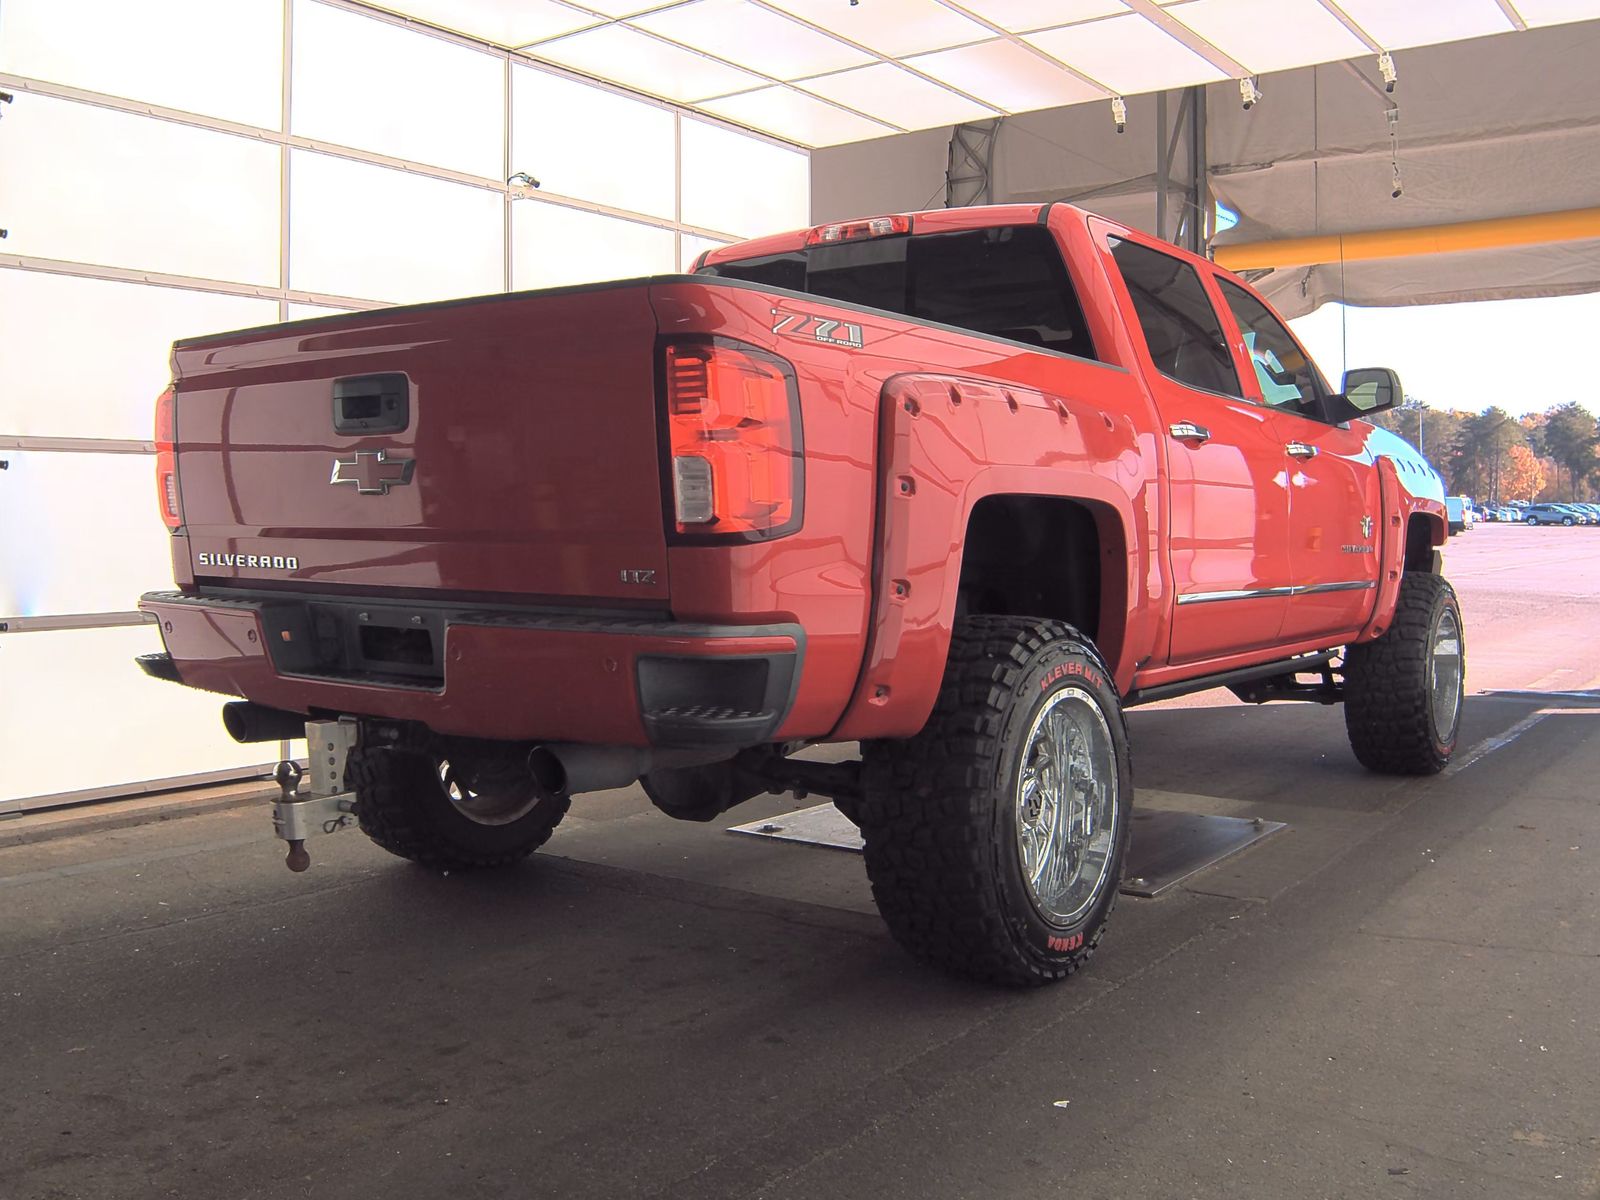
1167 846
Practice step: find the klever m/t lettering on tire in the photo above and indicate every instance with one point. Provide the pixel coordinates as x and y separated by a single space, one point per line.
995 838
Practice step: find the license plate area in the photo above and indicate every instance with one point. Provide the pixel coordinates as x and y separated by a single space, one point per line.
369 642
396 646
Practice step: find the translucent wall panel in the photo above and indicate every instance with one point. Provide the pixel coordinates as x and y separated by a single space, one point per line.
359 81
381 234
80 533
75 713
553 246
742 185
592 144
222 59
691 248
96 186
50 388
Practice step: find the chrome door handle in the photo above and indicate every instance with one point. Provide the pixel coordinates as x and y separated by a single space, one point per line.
1301 450
1188 431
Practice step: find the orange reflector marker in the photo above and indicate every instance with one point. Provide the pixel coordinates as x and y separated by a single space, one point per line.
167 460
733 419
855 231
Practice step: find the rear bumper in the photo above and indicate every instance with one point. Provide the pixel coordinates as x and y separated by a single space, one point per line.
487 673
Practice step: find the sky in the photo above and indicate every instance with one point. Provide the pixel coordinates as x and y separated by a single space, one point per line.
1524 355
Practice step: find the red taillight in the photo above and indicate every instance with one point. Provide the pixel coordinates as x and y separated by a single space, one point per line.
855 231
733 421
167 460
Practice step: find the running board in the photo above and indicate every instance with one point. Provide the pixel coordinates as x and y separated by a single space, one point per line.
1243 675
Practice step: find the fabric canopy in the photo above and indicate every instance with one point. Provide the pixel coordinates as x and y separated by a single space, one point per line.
1496 127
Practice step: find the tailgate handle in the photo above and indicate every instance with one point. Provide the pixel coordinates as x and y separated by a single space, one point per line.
372 403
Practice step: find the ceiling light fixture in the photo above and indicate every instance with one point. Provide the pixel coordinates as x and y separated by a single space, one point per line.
1386 69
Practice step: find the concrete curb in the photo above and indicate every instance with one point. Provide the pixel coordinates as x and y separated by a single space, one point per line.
126 814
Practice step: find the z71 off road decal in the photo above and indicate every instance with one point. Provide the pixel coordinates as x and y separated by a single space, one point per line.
825 330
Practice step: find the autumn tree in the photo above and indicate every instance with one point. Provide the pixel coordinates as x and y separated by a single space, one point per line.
1484 442
1523 476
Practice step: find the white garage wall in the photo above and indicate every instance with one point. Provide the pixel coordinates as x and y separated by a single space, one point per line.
150 191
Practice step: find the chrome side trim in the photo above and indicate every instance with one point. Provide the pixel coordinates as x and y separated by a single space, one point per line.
1246 594
1356 585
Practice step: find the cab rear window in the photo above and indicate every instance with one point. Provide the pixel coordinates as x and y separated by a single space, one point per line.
1008 282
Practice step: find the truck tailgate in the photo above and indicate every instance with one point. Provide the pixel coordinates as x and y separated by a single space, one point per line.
526 466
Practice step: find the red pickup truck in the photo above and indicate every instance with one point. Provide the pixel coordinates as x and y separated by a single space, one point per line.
959 486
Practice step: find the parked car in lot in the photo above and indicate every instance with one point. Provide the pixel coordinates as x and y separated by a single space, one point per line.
1461 515
1551 514
1592 511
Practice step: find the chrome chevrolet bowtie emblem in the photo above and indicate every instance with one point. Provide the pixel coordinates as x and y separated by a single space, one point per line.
373 472
1366 527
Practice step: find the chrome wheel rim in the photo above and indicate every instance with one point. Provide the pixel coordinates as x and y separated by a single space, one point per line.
501 806
1066 806
1445 673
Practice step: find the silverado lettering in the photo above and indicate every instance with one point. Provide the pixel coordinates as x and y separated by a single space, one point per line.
276 562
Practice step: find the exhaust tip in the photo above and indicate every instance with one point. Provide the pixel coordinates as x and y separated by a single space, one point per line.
247 723
547 770
233 720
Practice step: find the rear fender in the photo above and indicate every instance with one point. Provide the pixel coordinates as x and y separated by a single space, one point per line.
946 444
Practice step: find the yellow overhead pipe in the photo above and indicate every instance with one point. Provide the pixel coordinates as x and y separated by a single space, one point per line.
1574 225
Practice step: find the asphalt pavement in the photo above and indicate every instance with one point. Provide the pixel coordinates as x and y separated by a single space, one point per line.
1399 995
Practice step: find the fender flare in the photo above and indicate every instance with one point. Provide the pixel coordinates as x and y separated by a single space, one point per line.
929 483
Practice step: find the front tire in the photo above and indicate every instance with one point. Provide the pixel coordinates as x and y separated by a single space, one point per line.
483 811
1404 691
995 838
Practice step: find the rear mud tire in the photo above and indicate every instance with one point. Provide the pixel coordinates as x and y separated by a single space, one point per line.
943 816
1398 721
402 804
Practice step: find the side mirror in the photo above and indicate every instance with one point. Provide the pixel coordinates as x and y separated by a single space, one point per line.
1370 390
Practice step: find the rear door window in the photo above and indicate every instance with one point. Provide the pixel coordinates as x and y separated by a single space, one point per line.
1180 326
1008 282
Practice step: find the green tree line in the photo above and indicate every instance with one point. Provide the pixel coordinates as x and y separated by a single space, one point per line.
1494 457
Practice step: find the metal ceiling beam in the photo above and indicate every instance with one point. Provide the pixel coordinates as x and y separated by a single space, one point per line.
1348 22
1512 15
1188 130
1181 33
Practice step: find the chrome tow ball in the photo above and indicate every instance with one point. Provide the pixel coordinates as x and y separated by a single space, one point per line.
326 807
